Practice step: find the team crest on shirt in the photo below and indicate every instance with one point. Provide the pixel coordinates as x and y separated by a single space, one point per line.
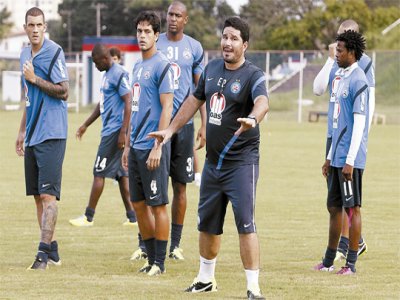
146 75
217 106
235 87
186 53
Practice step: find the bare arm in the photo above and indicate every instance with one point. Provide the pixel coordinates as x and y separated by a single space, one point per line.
153 161
257 114
19 144
93 117
126 120
185 113
56 90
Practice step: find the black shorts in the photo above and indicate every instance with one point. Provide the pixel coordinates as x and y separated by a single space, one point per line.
342 193
182 155
151 186
237 185
108 160
43 167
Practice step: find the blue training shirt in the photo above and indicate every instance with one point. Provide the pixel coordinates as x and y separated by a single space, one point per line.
46 116
150 78
351 97
114 85
365 63
186 58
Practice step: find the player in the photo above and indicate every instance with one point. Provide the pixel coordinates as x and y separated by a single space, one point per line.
347 154
327 77
43 130
153 92
114 108
186 56
236 101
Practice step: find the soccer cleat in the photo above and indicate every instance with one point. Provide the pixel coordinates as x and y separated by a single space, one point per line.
340 255
81 221
146 268
177 254
254 295
362 248
39 264
346 270
139 254
155 270
322 268
129 223
199 287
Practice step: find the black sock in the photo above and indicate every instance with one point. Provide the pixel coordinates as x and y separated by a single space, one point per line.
141 243
43 251
131 215
161 251
89 213
54 246
176 234
351 259
343 245
330 255
361 240
151 250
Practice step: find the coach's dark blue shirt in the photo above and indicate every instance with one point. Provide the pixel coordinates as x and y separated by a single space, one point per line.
230 94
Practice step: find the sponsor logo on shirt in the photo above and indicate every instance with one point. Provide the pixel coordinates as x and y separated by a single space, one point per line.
217 106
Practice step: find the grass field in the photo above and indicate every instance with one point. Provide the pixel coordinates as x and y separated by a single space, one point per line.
291 217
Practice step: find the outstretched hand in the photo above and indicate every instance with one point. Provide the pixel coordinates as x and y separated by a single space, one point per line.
245 124
162 136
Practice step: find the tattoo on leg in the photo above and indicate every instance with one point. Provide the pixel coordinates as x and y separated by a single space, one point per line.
49 219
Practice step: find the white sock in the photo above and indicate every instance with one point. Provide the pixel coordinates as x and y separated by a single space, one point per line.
207 269
252 280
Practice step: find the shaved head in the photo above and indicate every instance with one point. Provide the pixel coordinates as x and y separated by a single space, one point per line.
348 25
100 50
181 6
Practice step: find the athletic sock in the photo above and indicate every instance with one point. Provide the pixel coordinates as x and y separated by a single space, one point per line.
43 251
361 240
161 251
351 259
89 213
131 215
54 246
141 243
176 234
207 269
151 250
252 280
330 255
343 244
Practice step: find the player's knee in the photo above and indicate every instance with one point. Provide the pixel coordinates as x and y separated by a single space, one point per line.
334 210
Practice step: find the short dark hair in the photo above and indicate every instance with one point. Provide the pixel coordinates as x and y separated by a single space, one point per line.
238 24
114 51
100 49
34 12
354 42
151 17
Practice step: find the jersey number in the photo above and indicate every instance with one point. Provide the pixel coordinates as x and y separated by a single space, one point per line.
100 165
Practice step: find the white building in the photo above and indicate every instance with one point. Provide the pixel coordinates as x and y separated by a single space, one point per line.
18 9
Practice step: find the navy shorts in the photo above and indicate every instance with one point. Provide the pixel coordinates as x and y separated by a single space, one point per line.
182 155
342 193
151 186
108 160
43 167
237 185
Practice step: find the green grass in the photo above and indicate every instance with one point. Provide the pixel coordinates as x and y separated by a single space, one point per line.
291 218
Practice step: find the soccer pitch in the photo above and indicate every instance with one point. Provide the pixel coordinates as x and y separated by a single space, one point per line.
291 216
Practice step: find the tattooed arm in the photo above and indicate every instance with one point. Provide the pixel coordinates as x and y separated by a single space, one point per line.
58 90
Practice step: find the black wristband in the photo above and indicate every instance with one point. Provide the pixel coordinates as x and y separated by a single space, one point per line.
252 117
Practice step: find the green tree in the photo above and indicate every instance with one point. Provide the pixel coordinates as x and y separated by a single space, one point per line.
5 25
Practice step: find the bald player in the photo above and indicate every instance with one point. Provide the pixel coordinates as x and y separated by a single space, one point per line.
327 78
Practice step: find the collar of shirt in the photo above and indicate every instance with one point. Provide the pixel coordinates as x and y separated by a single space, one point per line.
347 71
